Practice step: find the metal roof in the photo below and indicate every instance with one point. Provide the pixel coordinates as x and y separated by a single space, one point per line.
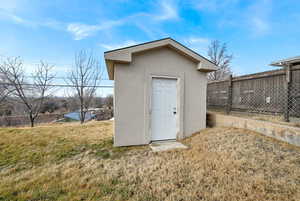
76 116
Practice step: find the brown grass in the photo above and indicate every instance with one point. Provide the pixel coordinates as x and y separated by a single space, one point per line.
220 164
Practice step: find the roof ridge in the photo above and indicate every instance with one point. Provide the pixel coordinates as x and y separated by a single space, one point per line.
139 44
167 38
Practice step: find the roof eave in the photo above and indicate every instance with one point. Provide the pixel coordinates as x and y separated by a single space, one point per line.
208 67
110 69
124 55
276 64
286 62
206 70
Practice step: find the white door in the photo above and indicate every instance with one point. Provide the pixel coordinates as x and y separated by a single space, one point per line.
164 109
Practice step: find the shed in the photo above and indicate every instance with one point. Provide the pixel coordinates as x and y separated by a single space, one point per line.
159 91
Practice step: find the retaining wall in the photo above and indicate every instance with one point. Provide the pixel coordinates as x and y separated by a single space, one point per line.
287 134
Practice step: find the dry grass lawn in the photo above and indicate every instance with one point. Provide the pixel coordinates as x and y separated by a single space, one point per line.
78 162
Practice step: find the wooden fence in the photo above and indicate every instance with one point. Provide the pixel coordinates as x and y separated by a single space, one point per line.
276 91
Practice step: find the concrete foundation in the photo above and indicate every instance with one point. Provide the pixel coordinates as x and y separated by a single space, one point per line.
166 146
287 134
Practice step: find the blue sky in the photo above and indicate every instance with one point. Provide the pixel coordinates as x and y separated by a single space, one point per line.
256 31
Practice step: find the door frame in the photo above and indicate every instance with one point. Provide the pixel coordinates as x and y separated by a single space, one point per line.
180 98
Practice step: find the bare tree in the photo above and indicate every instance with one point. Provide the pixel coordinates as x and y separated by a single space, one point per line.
109 101
5 89
217 53
31 95
85 77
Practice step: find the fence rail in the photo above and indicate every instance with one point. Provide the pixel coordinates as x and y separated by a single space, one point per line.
275 91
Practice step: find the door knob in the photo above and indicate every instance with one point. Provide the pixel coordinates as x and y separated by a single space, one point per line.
174 110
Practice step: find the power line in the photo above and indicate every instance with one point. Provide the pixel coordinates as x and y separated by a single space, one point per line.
59 85
65 78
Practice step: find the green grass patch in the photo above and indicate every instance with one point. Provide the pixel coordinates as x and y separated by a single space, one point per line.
27 147
39 153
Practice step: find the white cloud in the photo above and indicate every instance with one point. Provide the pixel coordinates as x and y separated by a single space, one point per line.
259 26
78 30
4 15
213 5
120 45
198 44
81 31
15 19
169 11
197 40
259 17
165 10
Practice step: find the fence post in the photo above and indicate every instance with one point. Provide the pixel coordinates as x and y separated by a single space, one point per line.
288 93
229 98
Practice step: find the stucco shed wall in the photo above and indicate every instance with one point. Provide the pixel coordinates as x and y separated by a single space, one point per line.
132 92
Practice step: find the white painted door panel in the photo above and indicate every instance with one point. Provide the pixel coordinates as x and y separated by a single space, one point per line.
164 109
